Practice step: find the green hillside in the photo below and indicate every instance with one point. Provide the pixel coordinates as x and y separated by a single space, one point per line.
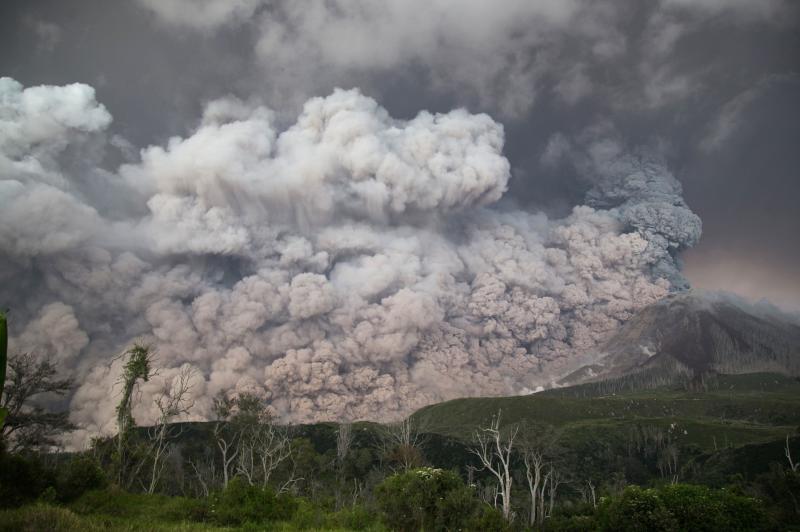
739 409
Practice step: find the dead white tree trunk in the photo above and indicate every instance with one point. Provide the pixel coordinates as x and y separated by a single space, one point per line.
534 464
792 464
404 440
246 452
175 399
542 494
592 493
273 446
344 438
228 448
555 481
206 474
494 450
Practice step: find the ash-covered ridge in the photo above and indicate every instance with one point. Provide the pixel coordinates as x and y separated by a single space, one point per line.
688 336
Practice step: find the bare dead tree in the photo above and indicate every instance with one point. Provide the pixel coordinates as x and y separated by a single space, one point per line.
173 400
358 487
488 493
205 471
290 484
792 464
250 443
273 446
556 479
247 463
543 494
591 493
227 439
494 449
470 474
534 465
403 442
344 438
668 462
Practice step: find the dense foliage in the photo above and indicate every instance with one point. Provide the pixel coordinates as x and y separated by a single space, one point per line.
602 468
681 507
433 499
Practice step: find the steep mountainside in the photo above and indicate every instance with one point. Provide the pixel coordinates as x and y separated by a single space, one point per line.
689 336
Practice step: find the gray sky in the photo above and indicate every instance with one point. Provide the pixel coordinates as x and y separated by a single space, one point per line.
711 85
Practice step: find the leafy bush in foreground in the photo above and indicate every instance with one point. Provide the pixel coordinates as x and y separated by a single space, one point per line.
43 517
681 507
81 474
433 499
119 504
23 478
310 516
241 503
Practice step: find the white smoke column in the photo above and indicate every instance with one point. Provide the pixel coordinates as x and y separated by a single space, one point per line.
350 266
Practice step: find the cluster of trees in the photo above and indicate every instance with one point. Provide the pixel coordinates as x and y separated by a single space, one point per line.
243 466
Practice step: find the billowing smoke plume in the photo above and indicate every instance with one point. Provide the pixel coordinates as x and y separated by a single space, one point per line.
351 266
502 55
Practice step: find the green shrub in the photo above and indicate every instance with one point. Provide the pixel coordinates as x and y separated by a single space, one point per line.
116 503
681 507
38 517
23 479
314 517
187 509
636 509
81 474
427 499
700 509
356 518
307 515
240 503
487 519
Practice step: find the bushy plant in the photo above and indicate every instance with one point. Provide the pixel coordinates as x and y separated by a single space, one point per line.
308 516
81 474
681 507
355 518
487 519
23 478
119 504
240 503
428 499
34 518
700 508
636 509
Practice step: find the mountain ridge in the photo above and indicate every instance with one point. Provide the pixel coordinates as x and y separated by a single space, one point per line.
689 336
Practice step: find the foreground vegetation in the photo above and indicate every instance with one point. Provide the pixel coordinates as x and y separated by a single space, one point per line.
418 499
571 459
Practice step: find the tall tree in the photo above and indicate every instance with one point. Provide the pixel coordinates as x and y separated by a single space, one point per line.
28 425
402 443
173 400
137 366
494 448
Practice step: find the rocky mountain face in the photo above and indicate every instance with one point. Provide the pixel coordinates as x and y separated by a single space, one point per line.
689 336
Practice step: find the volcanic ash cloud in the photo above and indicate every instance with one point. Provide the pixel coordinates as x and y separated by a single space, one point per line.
350 266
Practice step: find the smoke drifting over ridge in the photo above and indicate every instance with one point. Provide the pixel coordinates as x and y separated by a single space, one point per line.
350 266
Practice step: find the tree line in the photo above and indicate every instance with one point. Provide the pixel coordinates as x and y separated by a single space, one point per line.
506 477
